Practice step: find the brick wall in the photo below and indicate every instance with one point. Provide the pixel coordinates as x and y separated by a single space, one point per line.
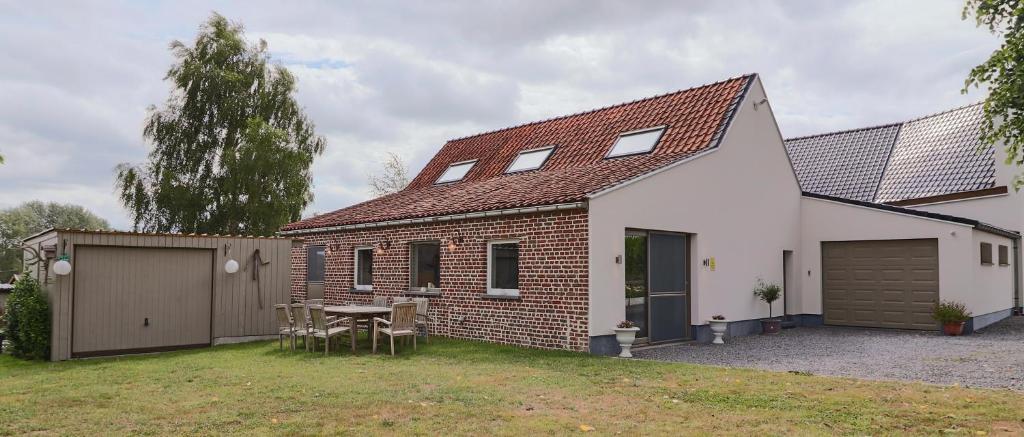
551 312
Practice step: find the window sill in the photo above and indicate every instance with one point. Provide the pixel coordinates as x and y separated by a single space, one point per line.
358 291
500 296
433 292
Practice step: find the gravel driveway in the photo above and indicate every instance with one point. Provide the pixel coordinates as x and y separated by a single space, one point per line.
993 357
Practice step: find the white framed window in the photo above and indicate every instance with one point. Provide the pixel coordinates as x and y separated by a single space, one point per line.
455 172
530 159
636 142
363 268
503 267
425 265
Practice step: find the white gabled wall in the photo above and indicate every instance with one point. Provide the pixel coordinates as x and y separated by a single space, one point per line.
741 203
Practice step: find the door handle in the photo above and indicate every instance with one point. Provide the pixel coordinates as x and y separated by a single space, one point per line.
145 322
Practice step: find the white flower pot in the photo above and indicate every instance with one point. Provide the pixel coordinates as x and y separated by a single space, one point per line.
718 328
626 337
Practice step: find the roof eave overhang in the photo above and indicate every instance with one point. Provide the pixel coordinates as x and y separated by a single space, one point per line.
439 218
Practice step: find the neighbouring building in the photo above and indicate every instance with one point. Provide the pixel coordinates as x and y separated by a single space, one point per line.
664 211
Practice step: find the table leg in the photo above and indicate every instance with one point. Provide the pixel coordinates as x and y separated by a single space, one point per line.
353 332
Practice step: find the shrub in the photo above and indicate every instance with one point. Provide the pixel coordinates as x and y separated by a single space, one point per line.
28 320
626 324
767 292
950 311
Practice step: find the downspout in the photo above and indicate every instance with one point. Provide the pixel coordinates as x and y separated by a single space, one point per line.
1016 275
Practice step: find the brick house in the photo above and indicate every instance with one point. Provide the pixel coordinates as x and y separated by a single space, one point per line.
663 211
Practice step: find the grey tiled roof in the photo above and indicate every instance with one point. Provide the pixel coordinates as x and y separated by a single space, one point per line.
938 155
843 164
929 156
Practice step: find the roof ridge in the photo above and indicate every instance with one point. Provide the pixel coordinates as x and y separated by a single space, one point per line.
879 126
936 114
602 108
845 131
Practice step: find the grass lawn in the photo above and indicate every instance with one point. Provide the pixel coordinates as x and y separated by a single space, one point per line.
459 387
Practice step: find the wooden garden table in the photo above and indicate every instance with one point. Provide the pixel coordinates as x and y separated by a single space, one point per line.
358 312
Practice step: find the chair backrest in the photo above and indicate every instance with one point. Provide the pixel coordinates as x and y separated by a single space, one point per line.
380 301
299 317
284 320
421 305
309 302
403 316
401 299
318 318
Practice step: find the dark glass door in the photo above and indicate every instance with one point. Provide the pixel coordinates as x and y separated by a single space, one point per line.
668 287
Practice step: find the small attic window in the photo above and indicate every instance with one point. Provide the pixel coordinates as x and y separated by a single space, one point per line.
455 172
636 142
530 159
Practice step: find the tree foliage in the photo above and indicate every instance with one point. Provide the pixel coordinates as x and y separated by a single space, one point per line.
392 177
28 320
30 217
1003 72
231 146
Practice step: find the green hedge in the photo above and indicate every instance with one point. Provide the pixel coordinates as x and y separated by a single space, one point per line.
28 320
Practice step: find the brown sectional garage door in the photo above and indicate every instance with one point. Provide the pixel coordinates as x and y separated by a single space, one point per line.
880 283
138 299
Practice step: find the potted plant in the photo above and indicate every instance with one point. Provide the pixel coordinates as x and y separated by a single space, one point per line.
952 315
769 293
718 327
625 334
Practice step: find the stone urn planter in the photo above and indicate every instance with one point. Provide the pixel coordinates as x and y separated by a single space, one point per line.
625 334
718 328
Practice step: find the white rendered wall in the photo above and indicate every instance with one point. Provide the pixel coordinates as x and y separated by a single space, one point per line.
741 202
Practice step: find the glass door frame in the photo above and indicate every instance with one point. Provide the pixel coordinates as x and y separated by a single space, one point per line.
688 292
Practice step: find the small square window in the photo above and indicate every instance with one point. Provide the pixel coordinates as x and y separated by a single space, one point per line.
1004 255
530 159
455 172
503 268
364 268
636 142
316 258
986 253
425 266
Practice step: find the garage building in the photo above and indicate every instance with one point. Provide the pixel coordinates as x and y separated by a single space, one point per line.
883 266
143 292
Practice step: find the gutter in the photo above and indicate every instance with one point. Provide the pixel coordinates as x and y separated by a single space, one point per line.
440 218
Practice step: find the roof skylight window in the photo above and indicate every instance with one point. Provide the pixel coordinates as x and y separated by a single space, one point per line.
636 142
530 159
455 172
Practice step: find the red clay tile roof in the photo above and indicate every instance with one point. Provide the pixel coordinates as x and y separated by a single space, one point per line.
696 119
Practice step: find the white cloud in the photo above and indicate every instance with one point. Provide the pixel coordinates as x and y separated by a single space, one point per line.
405 77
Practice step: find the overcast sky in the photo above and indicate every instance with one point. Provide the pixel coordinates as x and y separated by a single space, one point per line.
76 77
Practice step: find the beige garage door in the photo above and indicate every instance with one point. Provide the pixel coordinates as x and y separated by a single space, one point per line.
140 299
883 283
